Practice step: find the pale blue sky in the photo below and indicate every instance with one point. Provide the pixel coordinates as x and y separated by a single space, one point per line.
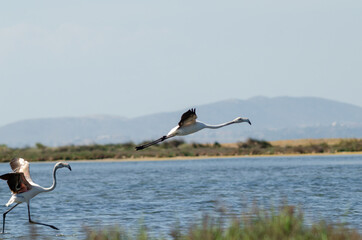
131 58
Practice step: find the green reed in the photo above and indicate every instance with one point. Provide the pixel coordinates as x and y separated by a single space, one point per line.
287 222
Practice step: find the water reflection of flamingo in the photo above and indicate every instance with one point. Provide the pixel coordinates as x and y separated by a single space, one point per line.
23 188
189 125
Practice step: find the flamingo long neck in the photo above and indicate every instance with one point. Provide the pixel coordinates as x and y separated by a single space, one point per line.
51 188
219 125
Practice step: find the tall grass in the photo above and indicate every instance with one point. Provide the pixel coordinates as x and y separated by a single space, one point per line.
287 222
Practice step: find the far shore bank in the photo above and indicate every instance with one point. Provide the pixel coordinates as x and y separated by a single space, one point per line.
180 150
151 159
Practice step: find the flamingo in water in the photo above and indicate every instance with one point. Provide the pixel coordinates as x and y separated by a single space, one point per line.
189 125
23 188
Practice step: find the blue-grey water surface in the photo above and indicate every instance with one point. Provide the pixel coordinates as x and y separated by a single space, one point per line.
164 194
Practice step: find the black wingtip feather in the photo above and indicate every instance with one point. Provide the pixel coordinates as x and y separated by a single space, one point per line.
139 148
5 177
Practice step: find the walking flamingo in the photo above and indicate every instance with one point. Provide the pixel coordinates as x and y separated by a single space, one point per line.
23 188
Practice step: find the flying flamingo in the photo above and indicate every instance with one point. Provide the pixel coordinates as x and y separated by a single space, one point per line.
23 188
188 125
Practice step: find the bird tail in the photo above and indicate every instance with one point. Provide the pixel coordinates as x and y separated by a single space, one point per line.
146 145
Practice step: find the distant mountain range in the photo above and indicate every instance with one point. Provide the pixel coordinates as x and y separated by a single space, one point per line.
272 119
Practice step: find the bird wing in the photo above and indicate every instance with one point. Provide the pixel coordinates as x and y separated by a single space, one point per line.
17 182
19 165
188 118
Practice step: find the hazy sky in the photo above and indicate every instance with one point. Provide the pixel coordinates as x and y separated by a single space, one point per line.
131 58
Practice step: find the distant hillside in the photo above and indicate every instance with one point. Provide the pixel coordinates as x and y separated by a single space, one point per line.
272 119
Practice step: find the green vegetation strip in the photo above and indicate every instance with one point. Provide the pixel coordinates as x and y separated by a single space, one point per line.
173 148
285 223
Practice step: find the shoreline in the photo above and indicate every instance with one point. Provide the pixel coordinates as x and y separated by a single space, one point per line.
251 148
154 159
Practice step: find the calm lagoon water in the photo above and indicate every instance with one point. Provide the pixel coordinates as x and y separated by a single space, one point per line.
163 194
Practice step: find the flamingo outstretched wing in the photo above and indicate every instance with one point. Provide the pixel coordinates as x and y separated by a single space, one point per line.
19 165
188 118
17 182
